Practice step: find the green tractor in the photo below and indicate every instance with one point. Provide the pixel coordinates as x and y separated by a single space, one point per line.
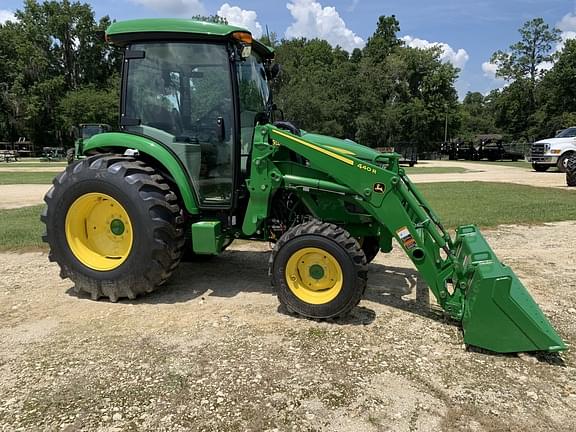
82 133
199 162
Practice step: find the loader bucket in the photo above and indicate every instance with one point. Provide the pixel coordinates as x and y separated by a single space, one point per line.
499 314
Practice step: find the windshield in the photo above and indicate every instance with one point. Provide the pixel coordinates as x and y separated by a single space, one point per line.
254 96
567 133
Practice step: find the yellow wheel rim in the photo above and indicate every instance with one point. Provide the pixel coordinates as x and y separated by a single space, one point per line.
99 231
314 275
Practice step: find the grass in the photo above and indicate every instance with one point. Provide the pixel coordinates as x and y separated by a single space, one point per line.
433 170
518 164
15 177
491 204
484 204
33 164
21 229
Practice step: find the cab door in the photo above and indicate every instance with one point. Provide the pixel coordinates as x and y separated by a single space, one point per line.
181 95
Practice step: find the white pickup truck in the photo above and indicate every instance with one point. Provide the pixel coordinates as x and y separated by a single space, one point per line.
555 151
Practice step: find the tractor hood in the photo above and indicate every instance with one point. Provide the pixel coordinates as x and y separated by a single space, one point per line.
346 147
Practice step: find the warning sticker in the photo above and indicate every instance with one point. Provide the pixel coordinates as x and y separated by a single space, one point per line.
406 238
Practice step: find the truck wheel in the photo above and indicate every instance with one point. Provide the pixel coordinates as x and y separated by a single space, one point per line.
318 270
571 171
563 160
113 226
539 167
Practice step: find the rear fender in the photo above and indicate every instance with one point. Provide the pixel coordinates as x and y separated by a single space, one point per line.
154 150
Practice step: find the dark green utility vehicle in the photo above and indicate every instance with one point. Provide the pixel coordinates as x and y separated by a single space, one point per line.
199 162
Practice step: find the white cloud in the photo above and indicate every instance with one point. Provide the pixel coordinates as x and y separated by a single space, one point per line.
457 58
6 15
489 69
567 26
353 5
241 18
179 8
311 20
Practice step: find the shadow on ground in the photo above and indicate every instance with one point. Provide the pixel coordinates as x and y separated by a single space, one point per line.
235 272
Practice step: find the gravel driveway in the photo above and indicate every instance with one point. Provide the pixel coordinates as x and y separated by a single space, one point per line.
212 352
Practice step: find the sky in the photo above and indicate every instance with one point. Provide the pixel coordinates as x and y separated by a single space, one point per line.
468 31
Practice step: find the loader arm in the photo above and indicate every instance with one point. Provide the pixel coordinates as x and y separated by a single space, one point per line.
466 278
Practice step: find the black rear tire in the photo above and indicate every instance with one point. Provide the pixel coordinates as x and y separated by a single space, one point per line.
540 167
153 213
571 171
340 246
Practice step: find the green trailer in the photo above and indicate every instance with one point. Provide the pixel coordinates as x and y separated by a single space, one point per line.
199 161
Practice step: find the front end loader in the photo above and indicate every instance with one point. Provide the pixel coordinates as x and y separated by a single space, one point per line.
199 161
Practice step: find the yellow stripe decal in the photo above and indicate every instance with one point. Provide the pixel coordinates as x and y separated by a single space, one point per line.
341 150
317 148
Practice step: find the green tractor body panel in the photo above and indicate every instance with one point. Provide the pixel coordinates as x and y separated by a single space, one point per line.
207 238
346 147
151 148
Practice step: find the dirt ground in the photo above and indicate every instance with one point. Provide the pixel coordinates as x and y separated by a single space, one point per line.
22 195
492 173
212 351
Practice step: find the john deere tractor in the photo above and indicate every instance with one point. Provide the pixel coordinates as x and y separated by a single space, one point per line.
199 162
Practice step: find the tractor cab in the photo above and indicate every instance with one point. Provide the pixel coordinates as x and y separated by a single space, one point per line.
198 89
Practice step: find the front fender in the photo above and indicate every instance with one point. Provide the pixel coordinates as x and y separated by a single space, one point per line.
156 151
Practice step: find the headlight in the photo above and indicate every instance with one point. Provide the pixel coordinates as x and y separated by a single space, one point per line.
547 147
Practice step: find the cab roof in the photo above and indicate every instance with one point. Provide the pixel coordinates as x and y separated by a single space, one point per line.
123 32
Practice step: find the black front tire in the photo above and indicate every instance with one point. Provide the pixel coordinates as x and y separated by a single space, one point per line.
153 212
571 171
341 246
540 167
563 161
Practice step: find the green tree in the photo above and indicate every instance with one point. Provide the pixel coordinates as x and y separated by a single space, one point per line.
316 88
515 107
51 49
525 56
406 92
556 93
384 40
476 116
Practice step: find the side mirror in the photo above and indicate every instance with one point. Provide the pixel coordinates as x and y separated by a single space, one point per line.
277 113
